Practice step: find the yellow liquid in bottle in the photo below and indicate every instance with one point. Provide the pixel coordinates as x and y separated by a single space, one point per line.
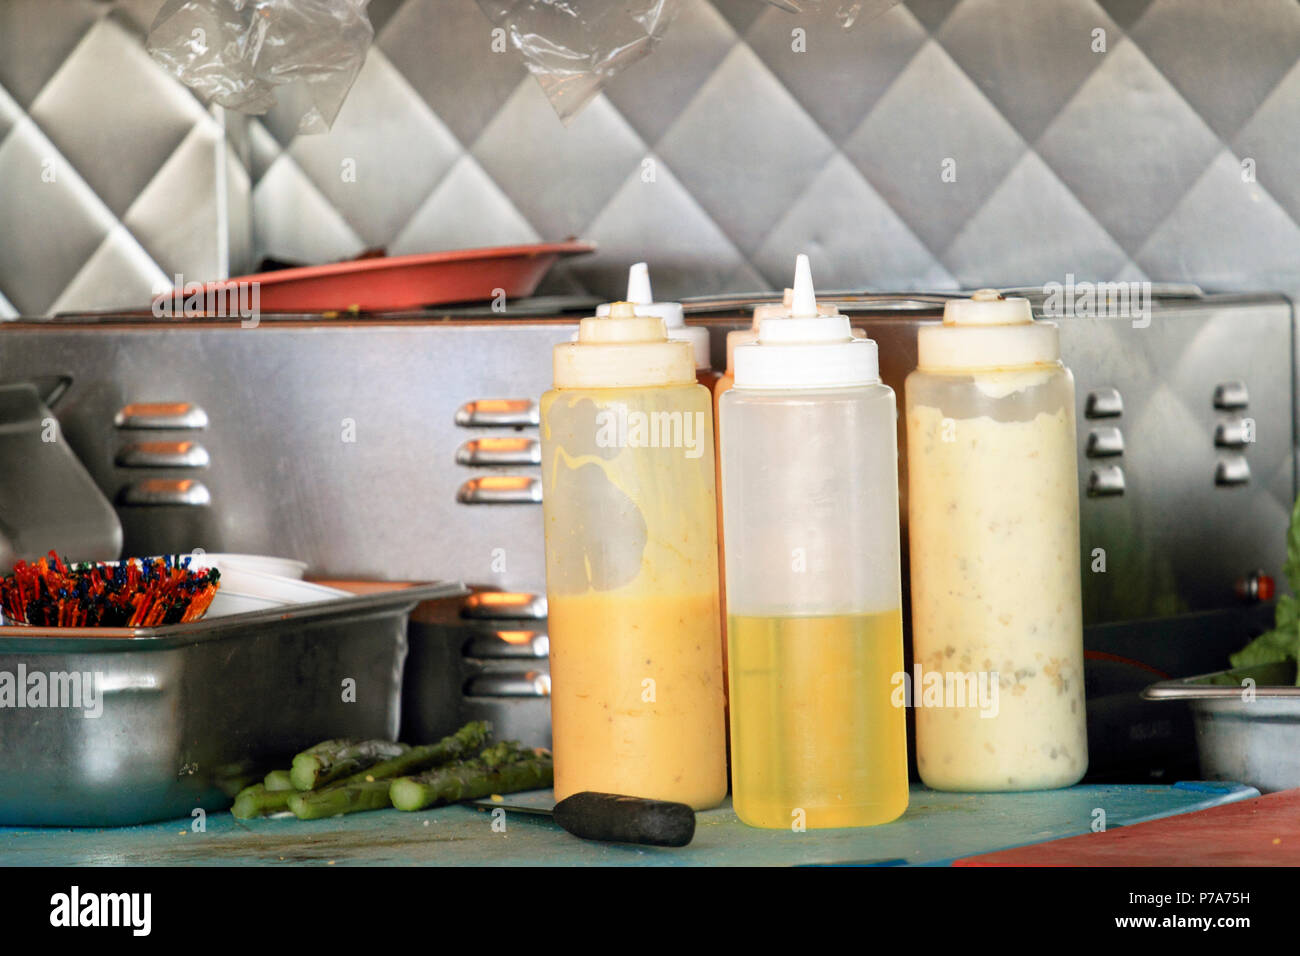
813 726
637 696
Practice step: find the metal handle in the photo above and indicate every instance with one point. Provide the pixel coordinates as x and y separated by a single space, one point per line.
51 388
847 299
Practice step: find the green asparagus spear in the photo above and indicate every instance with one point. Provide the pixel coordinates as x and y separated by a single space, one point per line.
274 793
499 769
329 746
362 790
334 760
258 801
457 746
343 798
278 780
332 746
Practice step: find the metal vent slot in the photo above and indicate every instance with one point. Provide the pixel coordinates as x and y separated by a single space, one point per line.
504 606
509 645
155 492
490 452
533 684
1104 442
1103 403
1105 481
157 415
163 454
501 490
1232 471
499 413
1230 396
1233 434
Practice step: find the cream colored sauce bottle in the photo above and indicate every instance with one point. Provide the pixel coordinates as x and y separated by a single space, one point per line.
993 527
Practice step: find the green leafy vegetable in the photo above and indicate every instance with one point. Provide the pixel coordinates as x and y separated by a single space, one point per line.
1283 642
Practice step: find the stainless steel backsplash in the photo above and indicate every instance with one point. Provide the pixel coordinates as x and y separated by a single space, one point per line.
357 446
1172 155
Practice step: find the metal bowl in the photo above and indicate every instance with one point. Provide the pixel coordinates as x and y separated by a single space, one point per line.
1247 723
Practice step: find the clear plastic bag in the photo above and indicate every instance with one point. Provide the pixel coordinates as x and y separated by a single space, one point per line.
848 12
574 47
237 53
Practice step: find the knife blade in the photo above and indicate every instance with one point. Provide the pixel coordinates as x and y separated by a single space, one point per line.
614 818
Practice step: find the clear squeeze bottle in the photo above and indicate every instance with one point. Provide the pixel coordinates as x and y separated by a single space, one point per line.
810 507
631 566
993 506
746 336
723 384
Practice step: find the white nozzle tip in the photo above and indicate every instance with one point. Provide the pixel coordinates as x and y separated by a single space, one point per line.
804 302
638 284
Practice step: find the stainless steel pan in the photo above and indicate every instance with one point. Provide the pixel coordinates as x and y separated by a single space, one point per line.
189 713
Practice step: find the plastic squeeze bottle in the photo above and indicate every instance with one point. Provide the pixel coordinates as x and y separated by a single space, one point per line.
631 566
745 336
810 512
997 628
722 384
639 294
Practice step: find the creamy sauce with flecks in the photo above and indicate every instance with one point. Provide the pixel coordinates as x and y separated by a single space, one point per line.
995 587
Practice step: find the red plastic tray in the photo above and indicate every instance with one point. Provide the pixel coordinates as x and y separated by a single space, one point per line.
396 283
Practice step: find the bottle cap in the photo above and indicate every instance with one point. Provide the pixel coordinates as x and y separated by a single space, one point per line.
987 331
805 348
766 310
639 294
622 349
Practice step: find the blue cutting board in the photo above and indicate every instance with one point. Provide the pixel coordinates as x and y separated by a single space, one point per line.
936 829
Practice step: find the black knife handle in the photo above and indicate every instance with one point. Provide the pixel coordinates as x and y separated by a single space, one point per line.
616 819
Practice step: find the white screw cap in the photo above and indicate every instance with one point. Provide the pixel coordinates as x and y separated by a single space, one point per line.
641 296
806 348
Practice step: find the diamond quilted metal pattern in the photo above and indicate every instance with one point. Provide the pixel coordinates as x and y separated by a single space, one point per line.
116 178
1166 151
937 174
113 116
1166 146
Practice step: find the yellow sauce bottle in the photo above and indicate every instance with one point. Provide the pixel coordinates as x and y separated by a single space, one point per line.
631 566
